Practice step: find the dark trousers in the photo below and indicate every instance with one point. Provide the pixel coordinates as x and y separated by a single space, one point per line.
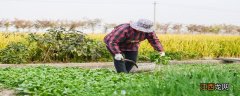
122 66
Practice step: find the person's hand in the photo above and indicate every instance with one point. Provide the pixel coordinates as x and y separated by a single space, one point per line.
162 54
118 57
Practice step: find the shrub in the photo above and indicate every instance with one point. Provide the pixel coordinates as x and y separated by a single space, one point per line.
14 53
59 45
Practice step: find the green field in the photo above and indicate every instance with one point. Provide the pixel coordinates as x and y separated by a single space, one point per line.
174 80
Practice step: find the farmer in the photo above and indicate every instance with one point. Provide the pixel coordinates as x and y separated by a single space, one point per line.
123 42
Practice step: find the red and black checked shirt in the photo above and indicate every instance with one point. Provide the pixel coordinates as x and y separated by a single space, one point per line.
125 38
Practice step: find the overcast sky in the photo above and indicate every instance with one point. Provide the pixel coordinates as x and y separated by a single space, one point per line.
119 11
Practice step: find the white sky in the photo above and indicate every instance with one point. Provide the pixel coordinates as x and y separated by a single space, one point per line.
119 11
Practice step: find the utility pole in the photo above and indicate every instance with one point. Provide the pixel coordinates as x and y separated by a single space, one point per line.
154 14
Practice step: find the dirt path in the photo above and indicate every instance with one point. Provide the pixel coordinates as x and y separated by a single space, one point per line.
108 64
94 65
7 92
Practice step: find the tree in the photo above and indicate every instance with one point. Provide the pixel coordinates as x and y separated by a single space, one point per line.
93 23
177 28
27 24
18 24
76 24
228 28
7 24
164 27
82 24
238 29
214 29
63 24
46 24
1 23
157 28
194 28
203 29
30 25
108 26
37 25
73 25
161 28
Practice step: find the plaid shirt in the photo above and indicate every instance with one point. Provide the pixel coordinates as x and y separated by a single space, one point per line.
125 38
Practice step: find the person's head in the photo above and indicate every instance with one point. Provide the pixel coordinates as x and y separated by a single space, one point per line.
143 25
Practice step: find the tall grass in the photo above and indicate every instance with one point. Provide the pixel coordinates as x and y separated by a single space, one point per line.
196 46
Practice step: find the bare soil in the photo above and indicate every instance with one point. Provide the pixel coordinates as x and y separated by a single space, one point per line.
7 92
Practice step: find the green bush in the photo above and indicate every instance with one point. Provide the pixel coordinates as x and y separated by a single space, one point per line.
56 45
59 45
14 53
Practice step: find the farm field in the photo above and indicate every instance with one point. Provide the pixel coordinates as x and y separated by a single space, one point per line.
198 46
57 48
168 80
178 47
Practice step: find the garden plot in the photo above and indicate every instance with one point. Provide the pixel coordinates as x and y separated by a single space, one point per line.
173 80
